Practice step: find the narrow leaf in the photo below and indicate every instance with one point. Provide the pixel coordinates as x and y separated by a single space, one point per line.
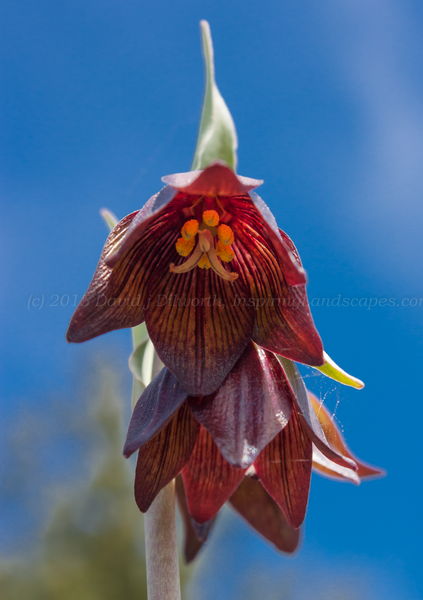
109 218
332 370
217 139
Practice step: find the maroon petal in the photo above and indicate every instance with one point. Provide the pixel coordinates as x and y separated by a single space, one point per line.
288 329
284 324
163 457
249 409
284 469
156 405
283 321
195 533
309 419
256 506
209 480
215 180
336 440
120 289
107 304
333 470
198 327
294 273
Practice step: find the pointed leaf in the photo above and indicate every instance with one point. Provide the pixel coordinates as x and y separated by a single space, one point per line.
217 139
332 370
109 218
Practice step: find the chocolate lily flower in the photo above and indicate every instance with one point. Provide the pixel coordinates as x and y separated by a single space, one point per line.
204 264
259 423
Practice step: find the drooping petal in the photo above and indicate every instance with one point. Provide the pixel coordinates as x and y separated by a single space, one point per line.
286 326
198 326
209 480
196 534
163 457
159 401
292 269
103 308
323 465
167 202
256 506
283 320
309 419
119 292
284 469
215 180
249 408
336 440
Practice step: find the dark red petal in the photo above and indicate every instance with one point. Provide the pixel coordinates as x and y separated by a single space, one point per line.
293 271
120 289
309 419
288 328
327 467
283 321
249 409
105 306
168 202
336 440
198 326
156 405
195 533
209 480
256 506
284 324
163 457
215 180
284 469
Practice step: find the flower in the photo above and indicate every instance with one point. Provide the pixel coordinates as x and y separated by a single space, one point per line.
252 442
204 264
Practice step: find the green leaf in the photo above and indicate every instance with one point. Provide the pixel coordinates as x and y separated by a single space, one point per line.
217 139
332 370
109 218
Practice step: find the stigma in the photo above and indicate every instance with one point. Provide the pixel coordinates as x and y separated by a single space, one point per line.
206 245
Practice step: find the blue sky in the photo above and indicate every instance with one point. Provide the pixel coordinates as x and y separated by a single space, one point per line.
100 99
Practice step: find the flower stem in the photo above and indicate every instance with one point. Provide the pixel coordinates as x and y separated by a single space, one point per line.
161 548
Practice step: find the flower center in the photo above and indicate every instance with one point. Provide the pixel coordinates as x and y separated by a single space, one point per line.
205 245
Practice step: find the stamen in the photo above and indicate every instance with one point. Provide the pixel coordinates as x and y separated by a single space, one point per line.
189 264
184 246
225 234
190 229
224 252
211 218
204 262
218 268
205 240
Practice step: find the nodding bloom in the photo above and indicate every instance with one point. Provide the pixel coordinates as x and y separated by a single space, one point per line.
204 264
252 442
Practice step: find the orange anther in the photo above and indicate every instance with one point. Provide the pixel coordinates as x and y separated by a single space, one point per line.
224 252
190 229
204 262
211 218
184 247
225 234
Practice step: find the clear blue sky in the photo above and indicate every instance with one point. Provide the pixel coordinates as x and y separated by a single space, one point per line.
100 99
